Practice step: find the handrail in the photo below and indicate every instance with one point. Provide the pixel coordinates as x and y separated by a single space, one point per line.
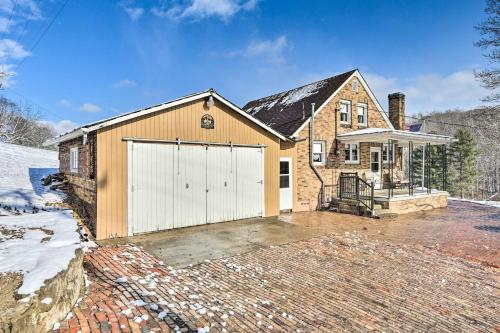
353 187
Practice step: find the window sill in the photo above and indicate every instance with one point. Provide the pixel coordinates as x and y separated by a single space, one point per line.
362 126
319 164
351 162
345 125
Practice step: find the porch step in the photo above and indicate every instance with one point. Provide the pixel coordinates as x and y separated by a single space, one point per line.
384 214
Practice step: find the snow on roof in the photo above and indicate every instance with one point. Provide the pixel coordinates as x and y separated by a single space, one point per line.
288 110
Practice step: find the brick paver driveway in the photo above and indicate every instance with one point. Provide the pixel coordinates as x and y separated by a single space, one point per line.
331 283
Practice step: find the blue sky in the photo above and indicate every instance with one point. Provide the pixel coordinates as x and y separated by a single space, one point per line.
102 58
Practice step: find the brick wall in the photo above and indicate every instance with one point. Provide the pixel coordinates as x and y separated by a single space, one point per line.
308 185
82 182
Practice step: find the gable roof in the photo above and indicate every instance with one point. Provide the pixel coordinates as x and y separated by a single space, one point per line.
289 111
87 128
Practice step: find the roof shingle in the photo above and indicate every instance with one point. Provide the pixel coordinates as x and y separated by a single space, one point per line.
285 112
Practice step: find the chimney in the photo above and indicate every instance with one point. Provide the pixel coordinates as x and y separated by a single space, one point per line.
397 110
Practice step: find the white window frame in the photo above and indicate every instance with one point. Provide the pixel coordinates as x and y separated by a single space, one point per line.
364 107
73 159
322 143
355 85
348 104
385 153
350 146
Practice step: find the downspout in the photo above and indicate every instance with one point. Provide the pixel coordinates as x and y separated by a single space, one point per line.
311 162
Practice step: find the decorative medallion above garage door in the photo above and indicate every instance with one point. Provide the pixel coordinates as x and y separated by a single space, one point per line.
207 121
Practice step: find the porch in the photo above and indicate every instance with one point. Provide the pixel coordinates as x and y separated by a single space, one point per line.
392 184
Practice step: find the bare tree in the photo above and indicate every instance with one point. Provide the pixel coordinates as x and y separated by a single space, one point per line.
490 40
19 124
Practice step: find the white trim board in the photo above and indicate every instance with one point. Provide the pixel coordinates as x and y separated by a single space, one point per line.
106 123
358 75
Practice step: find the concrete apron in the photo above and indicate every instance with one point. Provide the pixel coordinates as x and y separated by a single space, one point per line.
193 245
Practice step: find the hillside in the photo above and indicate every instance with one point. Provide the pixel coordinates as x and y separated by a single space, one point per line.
21 169
37 244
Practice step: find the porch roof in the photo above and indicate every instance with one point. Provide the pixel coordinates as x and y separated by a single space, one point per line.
383 135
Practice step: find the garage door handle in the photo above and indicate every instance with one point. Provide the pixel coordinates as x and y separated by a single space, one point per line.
187 185
260 182
225 184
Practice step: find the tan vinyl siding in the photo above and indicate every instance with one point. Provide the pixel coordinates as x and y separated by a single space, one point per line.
183 122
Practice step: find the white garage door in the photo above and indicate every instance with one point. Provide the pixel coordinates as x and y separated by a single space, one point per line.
174 186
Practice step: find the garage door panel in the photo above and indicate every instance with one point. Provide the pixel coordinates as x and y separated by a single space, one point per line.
151 211
249 175
190 198
221 185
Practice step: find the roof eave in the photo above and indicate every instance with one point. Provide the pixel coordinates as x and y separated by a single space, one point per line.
83 130
66 137
384 135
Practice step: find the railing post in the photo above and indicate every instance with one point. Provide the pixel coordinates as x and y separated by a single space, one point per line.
357 189
372 195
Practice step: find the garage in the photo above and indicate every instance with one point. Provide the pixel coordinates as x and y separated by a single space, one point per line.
173 184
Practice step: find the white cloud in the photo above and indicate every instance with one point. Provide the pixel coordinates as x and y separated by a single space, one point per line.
28 9
271 50
10 49
201 9
134 13
89 107
430 92
5 25
125 83
62 126
64 103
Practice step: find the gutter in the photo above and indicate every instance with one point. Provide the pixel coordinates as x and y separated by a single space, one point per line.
311 162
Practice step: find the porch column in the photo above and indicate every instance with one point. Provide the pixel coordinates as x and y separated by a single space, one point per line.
429 173
410 167
390 160
445 167
422 184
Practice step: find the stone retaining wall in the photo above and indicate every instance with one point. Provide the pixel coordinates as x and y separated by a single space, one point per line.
418 203
31 314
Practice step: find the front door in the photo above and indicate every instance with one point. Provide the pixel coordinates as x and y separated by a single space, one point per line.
375 166
286 197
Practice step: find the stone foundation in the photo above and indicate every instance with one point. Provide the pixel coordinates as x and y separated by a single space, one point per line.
34 316
417 203
84 191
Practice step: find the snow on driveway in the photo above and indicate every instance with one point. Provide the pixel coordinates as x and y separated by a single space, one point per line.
37 244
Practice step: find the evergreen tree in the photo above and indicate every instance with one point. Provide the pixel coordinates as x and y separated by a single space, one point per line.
463 162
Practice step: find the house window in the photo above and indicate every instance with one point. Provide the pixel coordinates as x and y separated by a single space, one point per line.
345 112
319 152
385 153
354 85
351 152
73 159
362 114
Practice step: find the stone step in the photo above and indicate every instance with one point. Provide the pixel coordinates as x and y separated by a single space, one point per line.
384 214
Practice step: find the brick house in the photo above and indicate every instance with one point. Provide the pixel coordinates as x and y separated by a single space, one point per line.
201 159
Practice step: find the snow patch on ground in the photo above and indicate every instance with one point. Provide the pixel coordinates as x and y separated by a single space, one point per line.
22 168
36 245
43 245
483 202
